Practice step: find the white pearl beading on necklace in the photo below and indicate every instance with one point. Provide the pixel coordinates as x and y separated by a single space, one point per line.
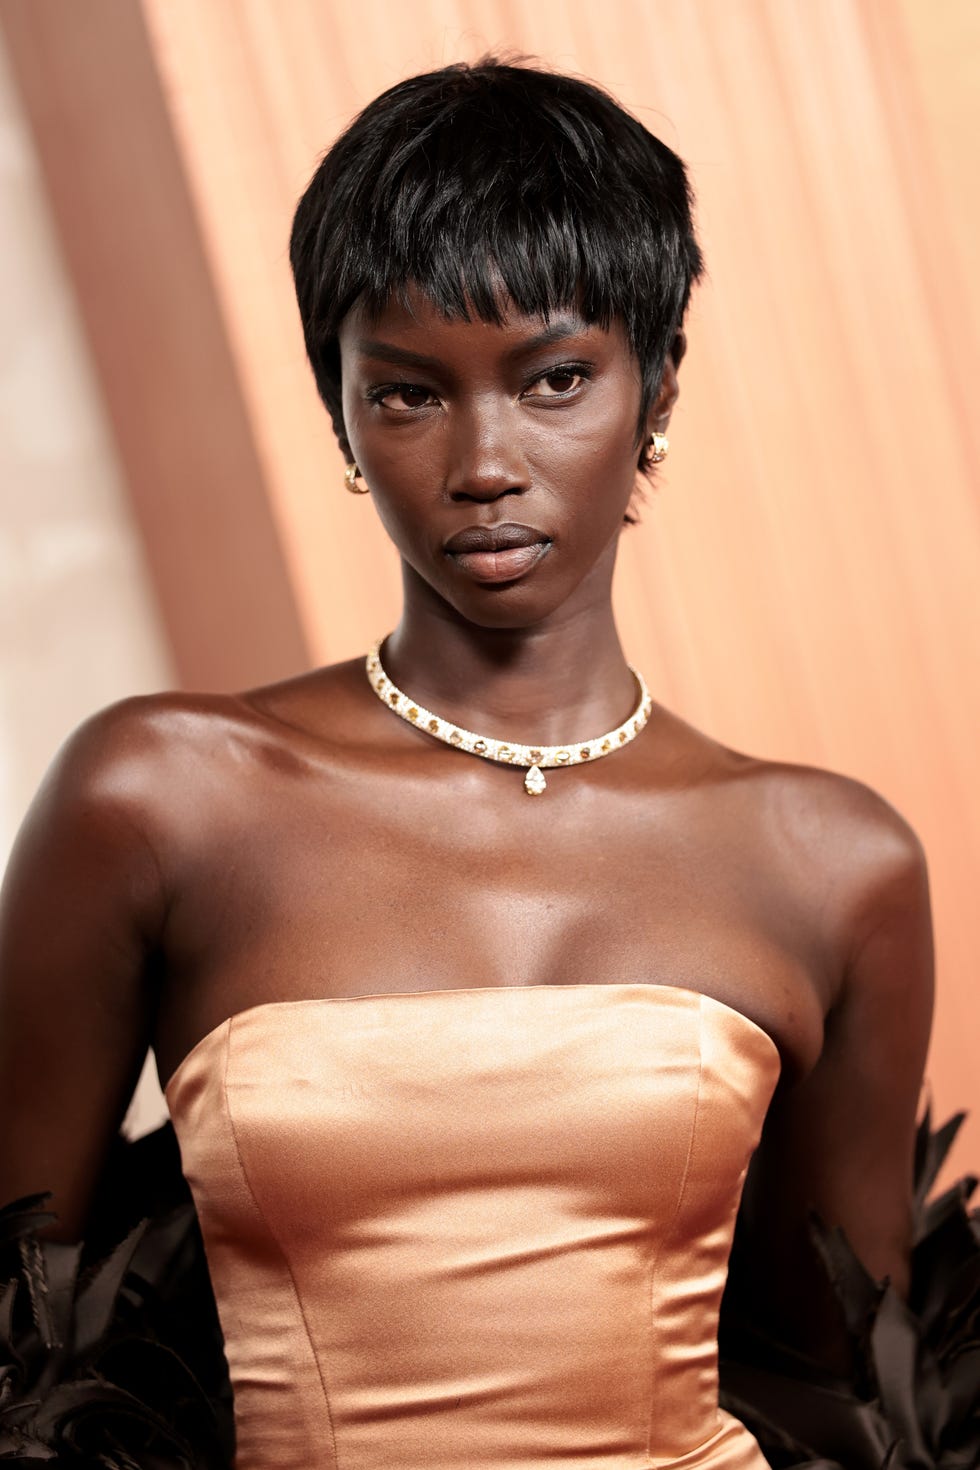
536 758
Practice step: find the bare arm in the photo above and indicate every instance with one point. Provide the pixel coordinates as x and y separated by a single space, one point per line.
841 1141
81 913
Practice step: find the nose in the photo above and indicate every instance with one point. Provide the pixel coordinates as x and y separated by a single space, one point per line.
485 455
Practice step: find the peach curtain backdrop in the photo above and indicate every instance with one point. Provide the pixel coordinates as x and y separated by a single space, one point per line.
806 581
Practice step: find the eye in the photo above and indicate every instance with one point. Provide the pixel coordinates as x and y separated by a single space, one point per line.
405 396
560 382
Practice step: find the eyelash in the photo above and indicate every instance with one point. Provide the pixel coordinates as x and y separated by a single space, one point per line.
581 370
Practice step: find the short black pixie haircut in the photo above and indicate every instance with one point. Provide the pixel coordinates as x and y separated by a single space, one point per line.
456 179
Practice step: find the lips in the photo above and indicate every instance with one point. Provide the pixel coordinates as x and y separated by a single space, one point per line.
497 553
494 538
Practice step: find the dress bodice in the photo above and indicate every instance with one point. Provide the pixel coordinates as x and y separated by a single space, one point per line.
469 1229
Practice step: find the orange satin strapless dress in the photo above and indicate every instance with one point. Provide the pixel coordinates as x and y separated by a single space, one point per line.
476 1228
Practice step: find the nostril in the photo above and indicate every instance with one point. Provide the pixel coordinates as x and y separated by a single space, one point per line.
483 492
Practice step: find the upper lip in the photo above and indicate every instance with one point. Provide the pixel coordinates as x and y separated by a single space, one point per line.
494 538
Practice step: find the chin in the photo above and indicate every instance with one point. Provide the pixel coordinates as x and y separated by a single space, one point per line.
506 606
501 618
523 602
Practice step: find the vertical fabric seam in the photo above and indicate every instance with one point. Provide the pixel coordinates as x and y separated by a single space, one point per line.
277 1242
669 1226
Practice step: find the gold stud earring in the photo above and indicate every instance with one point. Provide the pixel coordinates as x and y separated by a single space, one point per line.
659 446
351 474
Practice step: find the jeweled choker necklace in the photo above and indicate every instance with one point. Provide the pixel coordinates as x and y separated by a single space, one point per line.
537 758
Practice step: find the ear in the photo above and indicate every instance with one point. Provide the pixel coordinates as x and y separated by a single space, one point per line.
666 395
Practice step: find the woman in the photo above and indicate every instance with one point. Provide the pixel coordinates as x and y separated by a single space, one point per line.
473 972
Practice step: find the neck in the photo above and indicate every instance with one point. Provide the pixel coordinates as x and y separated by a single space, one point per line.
565 679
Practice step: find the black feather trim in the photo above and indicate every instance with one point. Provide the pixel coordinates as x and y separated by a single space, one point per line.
112 1359
914 1399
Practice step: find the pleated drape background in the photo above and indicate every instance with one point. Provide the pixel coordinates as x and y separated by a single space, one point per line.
805 584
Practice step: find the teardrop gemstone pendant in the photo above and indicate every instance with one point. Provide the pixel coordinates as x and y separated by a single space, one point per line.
534 782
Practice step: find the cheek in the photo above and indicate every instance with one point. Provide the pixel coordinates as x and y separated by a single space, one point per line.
395 515
401 477
590 465
404 478
386 456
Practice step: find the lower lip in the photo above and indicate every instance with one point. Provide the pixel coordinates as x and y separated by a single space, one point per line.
500 566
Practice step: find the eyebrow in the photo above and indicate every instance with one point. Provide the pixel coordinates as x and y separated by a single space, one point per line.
402 357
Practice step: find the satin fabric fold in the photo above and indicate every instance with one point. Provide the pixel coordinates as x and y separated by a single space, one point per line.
476 1228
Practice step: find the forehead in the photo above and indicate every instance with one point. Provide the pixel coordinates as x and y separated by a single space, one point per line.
413 321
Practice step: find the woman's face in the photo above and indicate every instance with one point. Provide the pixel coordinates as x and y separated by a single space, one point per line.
501 458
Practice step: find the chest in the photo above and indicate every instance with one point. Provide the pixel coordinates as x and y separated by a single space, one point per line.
388 885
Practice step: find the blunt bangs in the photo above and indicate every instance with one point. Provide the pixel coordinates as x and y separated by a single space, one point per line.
475 184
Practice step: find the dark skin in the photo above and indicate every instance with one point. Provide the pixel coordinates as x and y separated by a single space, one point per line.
191 856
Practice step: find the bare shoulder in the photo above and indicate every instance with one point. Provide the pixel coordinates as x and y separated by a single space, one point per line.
157 763
811 810
125 777
860 857
828 842
118 754
839 816
177 732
